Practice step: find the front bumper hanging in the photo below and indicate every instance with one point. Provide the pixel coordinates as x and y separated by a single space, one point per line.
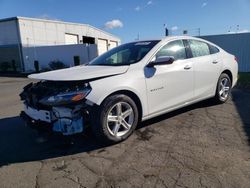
60 119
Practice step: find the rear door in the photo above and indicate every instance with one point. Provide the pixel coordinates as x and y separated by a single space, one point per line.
207 66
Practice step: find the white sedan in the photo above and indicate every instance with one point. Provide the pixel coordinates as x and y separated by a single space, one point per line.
128 84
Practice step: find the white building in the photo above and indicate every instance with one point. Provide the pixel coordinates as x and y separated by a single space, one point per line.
25 40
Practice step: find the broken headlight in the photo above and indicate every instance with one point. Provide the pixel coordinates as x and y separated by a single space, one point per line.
64 98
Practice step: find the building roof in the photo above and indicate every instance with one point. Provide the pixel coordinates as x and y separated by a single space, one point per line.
8 19
56 21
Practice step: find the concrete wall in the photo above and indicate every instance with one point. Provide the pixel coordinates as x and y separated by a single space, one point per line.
9 43
47 32
8 33
237 44
10 53
63 53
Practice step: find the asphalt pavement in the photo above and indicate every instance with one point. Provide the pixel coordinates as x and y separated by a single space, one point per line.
203 145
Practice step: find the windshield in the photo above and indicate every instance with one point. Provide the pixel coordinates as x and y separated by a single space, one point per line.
125 54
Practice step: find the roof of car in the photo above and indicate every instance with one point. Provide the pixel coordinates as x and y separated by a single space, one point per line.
170 38
179 37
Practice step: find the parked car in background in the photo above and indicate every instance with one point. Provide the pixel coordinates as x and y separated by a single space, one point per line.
128 84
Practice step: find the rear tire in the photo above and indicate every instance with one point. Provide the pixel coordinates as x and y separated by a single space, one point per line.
223 90
115 119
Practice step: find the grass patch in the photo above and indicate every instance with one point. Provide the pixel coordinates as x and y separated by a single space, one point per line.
244 80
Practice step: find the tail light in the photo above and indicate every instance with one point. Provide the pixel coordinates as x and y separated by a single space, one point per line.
235 58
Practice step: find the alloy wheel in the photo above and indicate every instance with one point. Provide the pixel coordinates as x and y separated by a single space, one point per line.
224 88
120 119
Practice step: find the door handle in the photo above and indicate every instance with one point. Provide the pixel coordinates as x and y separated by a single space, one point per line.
187 67
215 62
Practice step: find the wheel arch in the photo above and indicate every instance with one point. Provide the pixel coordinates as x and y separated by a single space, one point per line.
229 73
132 95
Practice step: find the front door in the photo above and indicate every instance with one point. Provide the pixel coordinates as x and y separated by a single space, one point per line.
170 85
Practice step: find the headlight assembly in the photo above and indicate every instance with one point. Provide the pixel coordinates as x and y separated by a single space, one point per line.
65 97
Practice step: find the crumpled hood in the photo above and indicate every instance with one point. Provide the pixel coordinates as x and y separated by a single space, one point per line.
80 73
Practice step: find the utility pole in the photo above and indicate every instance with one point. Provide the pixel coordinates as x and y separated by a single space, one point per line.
166 30
199 31
138 37
238 28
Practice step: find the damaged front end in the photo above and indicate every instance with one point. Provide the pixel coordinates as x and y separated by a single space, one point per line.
61 104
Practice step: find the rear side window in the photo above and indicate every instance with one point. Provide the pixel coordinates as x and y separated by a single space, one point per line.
175 49
213 49
199 48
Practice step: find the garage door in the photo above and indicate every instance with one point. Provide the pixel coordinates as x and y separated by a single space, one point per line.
71 39
113 44
102 46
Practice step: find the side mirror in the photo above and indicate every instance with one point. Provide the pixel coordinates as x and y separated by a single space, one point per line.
161 60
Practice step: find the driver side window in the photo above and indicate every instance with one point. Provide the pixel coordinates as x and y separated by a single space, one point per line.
174 48
119 57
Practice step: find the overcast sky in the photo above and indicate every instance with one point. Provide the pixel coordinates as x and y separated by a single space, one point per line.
128 18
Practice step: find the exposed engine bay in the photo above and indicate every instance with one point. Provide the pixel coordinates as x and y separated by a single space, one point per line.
61 104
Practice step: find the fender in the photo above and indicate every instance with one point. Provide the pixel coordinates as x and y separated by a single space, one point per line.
102 88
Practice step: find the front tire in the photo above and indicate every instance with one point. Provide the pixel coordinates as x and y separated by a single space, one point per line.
223 90
115 119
